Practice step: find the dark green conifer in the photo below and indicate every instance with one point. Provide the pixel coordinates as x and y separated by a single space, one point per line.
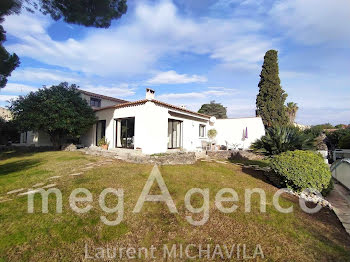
271 97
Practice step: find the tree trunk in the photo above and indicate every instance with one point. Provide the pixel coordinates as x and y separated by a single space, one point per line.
55 140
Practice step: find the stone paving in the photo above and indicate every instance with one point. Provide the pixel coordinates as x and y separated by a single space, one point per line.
49 186
54 177
76 174
340 200
15 191
38 184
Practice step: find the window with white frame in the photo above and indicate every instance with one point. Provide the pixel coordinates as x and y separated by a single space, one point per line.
201 130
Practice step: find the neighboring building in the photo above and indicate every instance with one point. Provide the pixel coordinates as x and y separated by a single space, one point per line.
94 100
98 101
5 114
301 127
152 126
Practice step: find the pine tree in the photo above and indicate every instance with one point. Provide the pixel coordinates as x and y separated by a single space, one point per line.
214 109
270 100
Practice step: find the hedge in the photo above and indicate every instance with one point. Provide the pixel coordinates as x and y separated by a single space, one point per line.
299 170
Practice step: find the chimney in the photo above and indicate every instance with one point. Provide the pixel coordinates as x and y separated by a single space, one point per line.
150 94
183 106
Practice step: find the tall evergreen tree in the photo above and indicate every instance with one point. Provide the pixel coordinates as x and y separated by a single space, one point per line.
270 100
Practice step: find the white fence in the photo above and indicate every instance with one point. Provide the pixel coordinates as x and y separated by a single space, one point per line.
341 171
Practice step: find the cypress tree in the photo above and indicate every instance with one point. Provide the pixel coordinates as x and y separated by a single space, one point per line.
271 97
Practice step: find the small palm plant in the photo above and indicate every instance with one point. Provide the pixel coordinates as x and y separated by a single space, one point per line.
292 109
281 139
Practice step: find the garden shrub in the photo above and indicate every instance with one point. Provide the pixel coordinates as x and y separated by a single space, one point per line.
335 137
299 170
344 142
280 139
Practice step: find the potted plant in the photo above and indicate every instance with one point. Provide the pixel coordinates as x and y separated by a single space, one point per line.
211 135
103 143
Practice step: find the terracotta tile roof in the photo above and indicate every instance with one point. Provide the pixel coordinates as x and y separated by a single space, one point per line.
179 108
103 97
134 103
143 101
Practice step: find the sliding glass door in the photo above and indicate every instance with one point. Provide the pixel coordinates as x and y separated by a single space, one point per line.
174 133
125 132
100 130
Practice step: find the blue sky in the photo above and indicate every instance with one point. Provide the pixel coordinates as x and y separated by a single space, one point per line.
193 51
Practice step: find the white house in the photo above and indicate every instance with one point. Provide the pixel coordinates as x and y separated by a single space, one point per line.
151 126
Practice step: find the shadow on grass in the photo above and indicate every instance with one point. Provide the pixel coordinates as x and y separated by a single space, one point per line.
17 166
23 151
257 174
10 154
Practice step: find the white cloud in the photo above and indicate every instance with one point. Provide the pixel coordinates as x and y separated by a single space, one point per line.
171 77
18 88
314 21
150 33
205 95
294 74
122 90
5 98
45 76
190 95
37 77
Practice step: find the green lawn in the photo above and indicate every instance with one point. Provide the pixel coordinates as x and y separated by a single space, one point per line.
62 237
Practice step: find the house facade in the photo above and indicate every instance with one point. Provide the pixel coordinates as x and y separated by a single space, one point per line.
151 126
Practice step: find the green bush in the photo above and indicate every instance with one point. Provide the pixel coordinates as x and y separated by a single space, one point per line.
299 170
344 142
314 131
335 137
280 139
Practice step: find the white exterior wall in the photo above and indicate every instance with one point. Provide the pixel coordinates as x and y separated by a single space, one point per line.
342 173
151 127
231 130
